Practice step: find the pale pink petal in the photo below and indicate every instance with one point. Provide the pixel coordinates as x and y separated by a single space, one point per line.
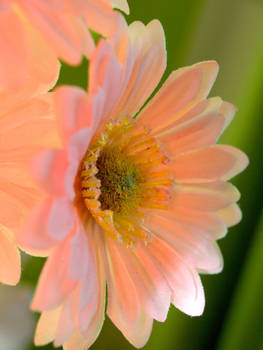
10 265
78 144
199 127
61 218
65 326
123 303
182 90
33 237
128 88
92 288
188 294
124 307
69 179
219 162
148 50
49 170
196 250
230 215
73 110
47 326
207 224
93 325
80 254
206 197
78 341
54 285
151 286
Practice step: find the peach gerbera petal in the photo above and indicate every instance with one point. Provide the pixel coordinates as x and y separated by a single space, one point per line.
48 169
33 237
197 251
61 219
123 304
53 285
65 328
205 197
73 110
188 294
231 215
46 327
181 91
214 163
152 289
9 258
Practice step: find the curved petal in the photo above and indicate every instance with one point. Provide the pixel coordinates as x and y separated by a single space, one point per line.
198 252
152 288
54 285
61 219
47 326
207 224
65 326
230 215
205 197
73 110
122 5
182 90
124 307
10 265
59 31
199 127
49 169
188 293
33 237
214 163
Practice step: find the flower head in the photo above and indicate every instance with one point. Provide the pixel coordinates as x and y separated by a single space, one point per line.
136 203
59 26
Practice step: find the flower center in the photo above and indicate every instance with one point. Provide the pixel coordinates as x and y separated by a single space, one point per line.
121 180
123 176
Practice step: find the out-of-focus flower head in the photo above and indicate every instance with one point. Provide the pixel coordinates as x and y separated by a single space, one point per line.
134 203
61 25
26 120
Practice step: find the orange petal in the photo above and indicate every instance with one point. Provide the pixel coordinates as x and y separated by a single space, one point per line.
10 265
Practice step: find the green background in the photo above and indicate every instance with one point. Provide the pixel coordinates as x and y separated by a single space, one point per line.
231 32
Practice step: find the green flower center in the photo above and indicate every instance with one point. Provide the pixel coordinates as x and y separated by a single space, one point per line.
120 179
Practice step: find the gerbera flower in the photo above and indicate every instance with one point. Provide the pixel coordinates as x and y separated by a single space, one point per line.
25 121
136 204
61 25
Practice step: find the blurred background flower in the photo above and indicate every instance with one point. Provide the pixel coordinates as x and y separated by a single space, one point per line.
231 32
